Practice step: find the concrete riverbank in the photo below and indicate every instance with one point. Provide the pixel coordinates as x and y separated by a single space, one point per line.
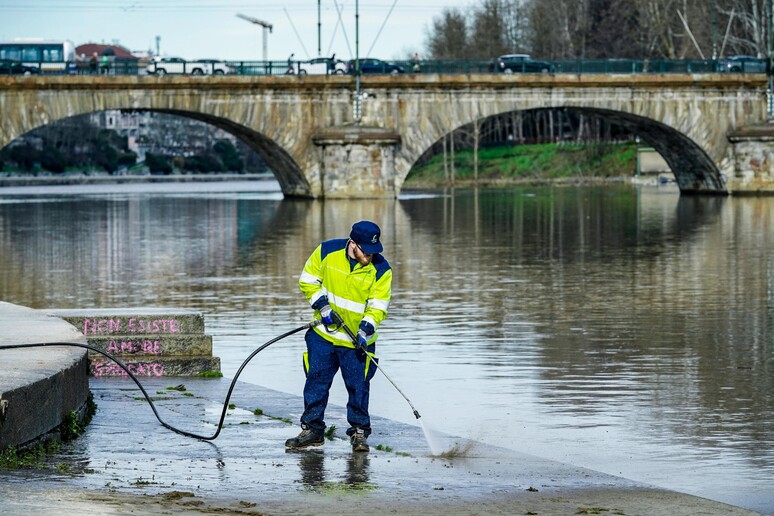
38 386
104 178
126 462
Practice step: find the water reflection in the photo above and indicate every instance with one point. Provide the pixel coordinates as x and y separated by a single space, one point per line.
314 473
312 467
625 330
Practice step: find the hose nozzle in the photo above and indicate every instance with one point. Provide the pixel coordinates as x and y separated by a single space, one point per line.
416 414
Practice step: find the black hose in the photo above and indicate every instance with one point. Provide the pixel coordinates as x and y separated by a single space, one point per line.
153 407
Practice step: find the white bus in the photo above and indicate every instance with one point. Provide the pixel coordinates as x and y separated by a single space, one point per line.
48 55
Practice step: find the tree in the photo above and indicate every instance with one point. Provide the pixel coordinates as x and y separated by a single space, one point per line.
106 157
448 37
488 37
229 155
593 29
157 164
127 159
560 28
53 160
612 19
25 156
204 163
748 34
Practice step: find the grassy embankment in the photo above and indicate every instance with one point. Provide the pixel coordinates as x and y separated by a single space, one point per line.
538 163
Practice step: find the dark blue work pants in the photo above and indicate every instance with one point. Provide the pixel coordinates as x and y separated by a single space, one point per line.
323 360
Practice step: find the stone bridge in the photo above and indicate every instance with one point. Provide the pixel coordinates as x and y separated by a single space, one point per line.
711 129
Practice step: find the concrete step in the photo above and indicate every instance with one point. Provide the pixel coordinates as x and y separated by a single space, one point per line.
132 321
150 341
152 345
141 366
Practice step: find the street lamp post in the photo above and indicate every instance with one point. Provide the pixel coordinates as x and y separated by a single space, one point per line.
770 58
357 65
714 20
319 31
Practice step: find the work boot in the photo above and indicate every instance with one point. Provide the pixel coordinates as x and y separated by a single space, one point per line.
307 437
358 440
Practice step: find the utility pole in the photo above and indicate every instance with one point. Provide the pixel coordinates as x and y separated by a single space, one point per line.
714 18
357 64
265 25
158 46
319 31
770 57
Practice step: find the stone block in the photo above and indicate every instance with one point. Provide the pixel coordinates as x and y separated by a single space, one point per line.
152 345
148 341
133 321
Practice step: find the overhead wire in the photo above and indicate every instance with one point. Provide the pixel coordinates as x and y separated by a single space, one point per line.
209 5
382 27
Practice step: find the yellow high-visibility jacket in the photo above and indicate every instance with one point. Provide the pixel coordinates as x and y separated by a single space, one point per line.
355 292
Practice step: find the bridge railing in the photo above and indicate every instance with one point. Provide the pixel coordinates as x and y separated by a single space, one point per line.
439 66
262 67
583 66
630 66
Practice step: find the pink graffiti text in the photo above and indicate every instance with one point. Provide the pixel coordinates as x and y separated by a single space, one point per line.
133 326
146 346
153 326
101 326
138 369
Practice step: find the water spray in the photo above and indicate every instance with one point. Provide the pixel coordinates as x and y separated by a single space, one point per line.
432 443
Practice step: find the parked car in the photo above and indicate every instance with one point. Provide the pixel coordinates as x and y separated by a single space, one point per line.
11 67
520 63
744 64
370 65
322 66
216 67
178 65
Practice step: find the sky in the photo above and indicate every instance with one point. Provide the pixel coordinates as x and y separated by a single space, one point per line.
196 29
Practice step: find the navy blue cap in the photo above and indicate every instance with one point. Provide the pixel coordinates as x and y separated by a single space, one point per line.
366 234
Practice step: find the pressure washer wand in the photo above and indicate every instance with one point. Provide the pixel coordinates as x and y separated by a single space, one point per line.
373 359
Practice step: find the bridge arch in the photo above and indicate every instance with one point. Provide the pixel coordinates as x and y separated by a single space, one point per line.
693 168
287 172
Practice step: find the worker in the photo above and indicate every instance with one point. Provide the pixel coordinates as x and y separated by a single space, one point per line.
346 281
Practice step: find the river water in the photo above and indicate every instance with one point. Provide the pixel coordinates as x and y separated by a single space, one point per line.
625 329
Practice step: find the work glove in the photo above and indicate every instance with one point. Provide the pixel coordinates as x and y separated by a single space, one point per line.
328 316
362 343
366 330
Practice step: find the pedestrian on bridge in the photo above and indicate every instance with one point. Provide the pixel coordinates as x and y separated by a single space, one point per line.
415 62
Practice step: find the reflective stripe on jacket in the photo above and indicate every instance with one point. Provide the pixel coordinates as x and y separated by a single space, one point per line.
359 293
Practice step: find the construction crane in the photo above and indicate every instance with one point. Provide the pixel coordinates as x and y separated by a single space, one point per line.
265 25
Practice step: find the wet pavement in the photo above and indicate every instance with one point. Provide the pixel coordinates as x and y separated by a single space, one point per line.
127 462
